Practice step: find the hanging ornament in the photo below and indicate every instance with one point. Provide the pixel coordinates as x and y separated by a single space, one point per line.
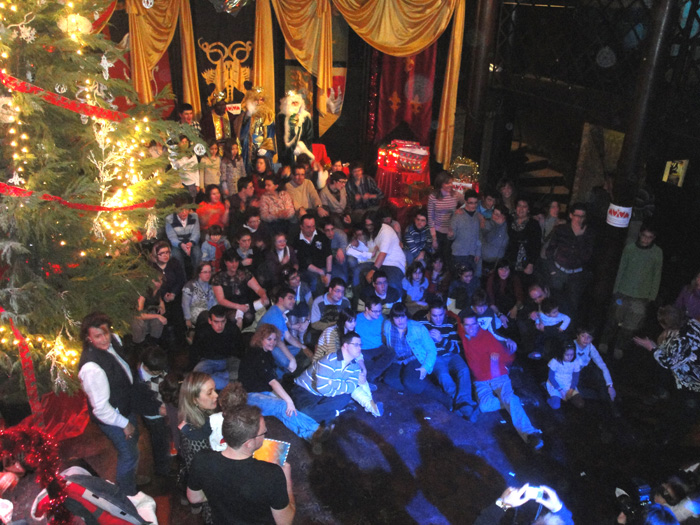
86 92
60 88
27 33
74 23
151 226
84 119
147 3
232 7
7 110
105 64
199 149
16 180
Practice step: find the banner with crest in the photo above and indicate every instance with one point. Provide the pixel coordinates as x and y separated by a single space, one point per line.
224 49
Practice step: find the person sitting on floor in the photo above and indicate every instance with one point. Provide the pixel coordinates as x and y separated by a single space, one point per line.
450 370
258 375
326 389
326 307
563 378
388 295
218 346
290 353
414 352
488 360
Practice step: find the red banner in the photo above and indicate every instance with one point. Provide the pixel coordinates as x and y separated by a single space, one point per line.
406 94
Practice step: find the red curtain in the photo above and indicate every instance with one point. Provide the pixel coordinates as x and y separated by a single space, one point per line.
406 94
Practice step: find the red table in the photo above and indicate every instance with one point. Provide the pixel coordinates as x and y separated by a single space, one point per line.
391 182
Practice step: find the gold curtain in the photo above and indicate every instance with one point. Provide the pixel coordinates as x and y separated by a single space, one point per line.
398 28
307 29
446 121
151 31
263 51
190 86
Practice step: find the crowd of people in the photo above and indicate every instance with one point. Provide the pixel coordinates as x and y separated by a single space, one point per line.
296 294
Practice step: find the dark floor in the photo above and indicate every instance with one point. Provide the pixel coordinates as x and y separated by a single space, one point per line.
421 464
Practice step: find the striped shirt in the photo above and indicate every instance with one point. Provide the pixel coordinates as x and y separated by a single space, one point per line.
449 343
440 211
331 376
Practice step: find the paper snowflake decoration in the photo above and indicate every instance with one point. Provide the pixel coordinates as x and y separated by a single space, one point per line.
106 64
27 33
16 180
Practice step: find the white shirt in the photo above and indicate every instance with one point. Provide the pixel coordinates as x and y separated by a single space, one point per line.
96 387
584 355
388 242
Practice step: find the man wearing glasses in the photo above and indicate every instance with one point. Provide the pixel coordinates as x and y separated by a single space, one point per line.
240 488
327 388
378 357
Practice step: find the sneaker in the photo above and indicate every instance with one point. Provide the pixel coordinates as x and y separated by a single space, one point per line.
535 441
535 355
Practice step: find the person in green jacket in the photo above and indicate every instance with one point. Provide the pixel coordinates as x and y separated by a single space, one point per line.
636 285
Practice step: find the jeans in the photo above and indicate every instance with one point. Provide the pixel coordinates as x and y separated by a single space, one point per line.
405 377
281 359
340 269
160 444
447 366
127 454
377 360
272 405
195 256
314 281
217 369
319 408
497 393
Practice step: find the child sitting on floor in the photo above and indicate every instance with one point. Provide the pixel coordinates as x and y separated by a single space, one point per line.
214 246
563 378
553 325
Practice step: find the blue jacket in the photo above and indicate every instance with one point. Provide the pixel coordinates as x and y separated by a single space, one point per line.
418 339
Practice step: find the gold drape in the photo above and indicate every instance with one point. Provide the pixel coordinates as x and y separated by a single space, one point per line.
307 29
446 121
401 28
151 31
190 85
263 51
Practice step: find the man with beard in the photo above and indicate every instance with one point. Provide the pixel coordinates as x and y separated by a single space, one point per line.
255 127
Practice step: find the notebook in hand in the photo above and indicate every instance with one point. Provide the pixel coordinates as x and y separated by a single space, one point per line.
273 451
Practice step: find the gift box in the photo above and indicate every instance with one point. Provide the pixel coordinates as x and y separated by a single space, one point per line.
387 157
413 158
405 144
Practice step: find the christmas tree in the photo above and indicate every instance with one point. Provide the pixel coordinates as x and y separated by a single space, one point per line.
81 188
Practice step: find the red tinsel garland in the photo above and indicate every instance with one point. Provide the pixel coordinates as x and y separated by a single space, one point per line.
28 371
14 191
63 102
39 451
